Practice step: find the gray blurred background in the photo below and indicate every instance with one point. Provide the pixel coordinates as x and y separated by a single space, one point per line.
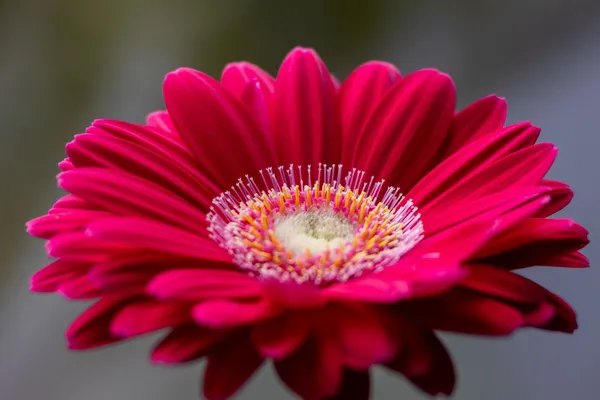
65 62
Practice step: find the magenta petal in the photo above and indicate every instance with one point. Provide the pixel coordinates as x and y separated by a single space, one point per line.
571 260
216 127
370 290
404 133
49 278
236 77
130 196
161 120
81 288
101 151
155 236
228 368
187 343
91 328
360 93
221 313
50 225
477 120
305 123
198 284
365 334
148 316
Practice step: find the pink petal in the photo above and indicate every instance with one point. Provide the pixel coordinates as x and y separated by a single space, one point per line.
236 77
255 101
130 196
188 343
78 247
471 159
168 146
465 312
158 237
355 386
66 165
541 316
560 195
70 203
148 316
229 368
49 278
371 290
486 208
81 288
305 125
406 130
570 260
50 225
546 235
197 284
359 95
91 328
121 155
161 120
314 371
279 337
477 120
221 313
292 295
438 376
506 285
215 126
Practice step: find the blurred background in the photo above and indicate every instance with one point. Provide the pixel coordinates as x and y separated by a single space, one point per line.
64 63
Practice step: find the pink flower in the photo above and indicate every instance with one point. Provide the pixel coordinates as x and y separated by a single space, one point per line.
325 227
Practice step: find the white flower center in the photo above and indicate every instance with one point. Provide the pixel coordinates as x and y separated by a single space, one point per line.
316 230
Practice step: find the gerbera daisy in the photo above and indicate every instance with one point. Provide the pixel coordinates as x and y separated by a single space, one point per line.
326 228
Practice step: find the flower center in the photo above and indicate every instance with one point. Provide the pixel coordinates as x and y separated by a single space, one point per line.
305 226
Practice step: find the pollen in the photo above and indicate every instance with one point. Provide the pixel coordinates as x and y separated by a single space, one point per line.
318 227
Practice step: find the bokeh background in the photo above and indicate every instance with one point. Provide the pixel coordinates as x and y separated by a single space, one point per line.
65 62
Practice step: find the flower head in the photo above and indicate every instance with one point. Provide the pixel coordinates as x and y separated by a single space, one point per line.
328 228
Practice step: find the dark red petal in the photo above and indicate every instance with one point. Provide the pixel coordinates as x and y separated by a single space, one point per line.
148 316
464 312
89 150
215 126
355 386
426 363
314 371
237 75
570 260
279 337
477 120
406 130
472 159
565 318
305 124
92 328
130 196
196 284
359 95
188 343
229 367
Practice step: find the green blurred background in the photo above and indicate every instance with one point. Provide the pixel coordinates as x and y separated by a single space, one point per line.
64 63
